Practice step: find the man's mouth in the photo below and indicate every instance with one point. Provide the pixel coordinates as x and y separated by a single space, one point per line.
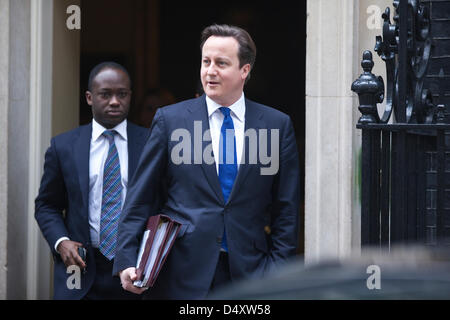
114 112
213 83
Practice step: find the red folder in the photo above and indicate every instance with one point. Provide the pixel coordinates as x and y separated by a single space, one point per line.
159 236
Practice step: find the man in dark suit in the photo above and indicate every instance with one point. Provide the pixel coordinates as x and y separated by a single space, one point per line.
85 180
224 205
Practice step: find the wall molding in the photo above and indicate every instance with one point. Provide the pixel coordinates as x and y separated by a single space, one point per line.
38 255
332 32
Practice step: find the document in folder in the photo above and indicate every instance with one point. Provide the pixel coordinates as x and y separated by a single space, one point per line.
156 243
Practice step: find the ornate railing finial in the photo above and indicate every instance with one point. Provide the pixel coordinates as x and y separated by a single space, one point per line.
370 90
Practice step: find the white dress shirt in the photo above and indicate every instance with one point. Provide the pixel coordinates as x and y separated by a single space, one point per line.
216 117
97 157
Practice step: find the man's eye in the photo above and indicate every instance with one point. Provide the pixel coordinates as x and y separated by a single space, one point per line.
205 61
123 95
105 95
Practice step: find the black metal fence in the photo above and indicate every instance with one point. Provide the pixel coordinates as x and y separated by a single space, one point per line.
406 149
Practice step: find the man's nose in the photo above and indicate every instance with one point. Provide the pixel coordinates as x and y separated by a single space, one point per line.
114 100
211 69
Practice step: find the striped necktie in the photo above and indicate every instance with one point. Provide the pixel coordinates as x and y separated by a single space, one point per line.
111 199
227 161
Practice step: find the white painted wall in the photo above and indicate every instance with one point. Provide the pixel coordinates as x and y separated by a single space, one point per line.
4 100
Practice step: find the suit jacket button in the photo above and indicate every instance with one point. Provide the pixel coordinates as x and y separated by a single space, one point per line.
219 240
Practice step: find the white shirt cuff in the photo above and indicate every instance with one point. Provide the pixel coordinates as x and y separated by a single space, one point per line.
58 241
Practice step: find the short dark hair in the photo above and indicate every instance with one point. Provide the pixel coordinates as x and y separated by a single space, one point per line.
105 65
247 48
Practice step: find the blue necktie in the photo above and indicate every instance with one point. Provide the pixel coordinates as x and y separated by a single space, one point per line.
227 160
111 199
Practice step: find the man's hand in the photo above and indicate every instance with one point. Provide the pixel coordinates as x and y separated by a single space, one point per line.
127 277
68 250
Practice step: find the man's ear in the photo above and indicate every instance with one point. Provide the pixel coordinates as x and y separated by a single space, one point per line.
89 97
245 70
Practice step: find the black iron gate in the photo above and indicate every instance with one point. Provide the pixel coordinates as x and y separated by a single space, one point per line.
406 150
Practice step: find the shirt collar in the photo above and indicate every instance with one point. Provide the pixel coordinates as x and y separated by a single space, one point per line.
238 108
98 129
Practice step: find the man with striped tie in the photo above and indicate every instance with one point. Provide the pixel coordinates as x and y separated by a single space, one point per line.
86 174
214 188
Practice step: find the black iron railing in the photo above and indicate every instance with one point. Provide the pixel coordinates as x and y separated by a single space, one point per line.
406 150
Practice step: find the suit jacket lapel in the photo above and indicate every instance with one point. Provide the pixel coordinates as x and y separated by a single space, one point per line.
81 150
253 120
197 111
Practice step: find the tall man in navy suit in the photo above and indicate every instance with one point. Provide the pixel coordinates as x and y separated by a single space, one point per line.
224 204
85 180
